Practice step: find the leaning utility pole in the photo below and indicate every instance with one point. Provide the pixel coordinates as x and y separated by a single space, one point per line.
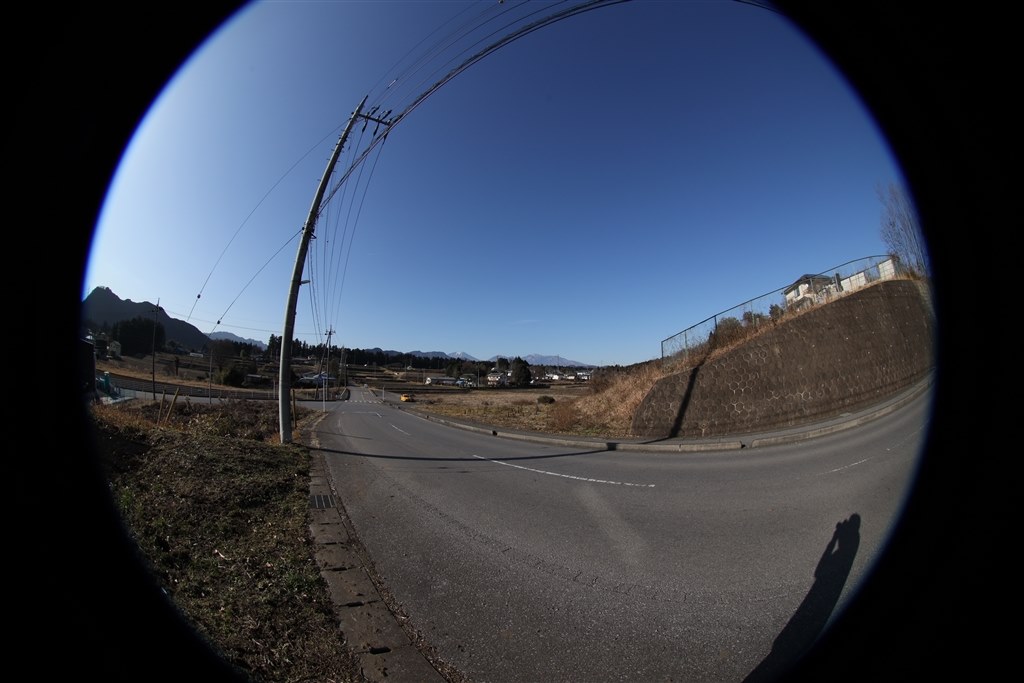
293 292
156 312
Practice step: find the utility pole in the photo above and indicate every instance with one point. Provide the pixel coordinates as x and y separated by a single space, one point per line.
156 310
285 386
327 379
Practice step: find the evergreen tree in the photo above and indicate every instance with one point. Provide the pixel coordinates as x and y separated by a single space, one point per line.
520 374
138 336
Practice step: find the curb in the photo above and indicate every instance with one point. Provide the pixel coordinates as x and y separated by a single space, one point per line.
810 431
373 633
850 422
709 445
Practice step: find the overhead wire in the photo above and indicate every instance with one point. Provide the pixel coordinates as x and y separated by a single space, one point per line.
401 76
320 258
348 252
253 278
460 33
465 64
465 50
326 264
377 139
334 258
250 215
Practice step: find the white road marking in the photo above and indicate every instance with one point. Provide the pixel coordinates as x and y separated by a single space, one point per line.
909 437
565 476
852 464
401 430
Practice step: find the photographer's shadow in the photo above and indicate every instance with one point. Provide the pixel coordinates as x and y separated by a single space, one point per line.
813 613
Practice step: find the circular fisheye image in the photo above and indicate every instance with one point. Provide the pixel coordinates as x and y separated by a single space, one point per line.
506 341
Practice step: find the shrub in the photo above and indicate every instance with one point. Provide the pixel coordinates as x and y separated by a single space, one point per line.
545 399
233 376
564 418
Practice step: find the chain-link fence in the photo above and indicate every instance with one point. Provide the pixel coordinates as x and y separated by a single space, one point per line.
732 326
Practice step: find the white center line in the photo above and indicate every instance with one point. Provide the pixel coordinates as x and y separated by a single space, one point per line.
565 476
846 467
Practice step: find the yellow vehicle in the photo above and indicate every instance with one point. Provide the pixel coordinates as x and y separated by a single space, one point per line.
407 397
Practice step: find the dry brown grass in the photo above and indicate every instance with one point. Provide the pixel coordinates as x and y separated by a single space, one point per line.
221 515
609 409
602 408
509 408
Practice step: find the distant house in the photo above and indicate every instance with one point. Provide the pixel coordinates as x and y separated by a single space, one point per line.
886 270
497 379
806 288
810 289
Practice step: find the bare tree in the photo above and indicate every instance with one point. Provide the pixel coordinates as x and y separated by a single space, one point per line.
901 229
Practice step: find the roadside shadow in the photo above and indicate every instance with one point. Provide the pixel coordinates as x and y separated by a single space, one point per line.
809 621
455 458
684 404
677 424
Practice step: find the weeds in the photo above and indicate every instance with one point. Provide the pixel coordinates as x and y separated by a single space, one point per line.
220 514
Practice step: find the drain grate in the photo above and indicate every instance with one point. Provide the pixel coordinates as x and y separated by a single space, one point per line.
318 502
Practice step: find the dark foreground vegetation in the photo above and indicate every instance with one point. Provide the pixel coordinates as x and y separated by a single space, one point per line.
219 510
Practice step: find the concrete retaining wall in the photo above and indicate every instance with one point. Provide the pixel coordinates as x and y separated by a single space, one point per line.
846 355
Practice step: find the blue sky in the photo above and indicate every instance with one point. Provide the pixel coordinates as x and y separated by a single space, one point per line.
586 190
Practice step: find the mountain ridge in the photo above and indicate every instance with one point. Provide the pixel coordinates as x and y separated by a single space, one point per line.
102 308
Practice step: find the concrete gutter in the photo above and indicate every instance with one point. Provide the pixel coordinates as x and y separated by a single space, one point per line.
384 646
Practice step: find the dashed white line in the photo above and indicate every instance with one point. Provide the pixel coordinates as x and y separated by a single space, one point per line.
565 476
852 464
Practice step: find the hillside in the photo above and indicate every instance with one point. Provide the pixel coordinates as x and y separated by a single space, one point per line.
102 309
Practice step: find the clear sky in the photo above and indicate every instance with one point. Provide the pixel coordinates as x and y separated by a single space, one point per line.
586 190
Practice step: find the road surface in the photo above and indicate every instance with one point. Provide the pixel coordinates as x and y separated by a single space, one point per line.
522 561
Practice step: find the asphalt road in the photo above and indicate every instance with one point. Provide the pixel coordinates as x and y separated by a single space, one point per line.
522 561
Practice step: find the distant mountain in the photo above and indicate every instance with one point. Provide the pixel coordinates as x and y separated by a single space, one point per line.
554 361
425 354
102 309
262 346
532 359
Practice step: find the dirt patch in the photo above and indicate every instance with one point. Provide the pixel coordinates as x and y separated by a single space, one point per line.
553 410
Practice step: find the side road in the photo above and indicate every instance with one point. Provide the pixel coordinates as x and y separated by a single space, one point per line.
387 647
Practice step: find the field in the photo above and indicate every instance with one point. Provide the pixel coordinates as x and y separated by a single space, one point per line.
601 407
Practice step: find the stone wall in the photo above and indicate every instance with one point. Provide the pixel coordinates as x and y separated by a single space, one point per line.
843 356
